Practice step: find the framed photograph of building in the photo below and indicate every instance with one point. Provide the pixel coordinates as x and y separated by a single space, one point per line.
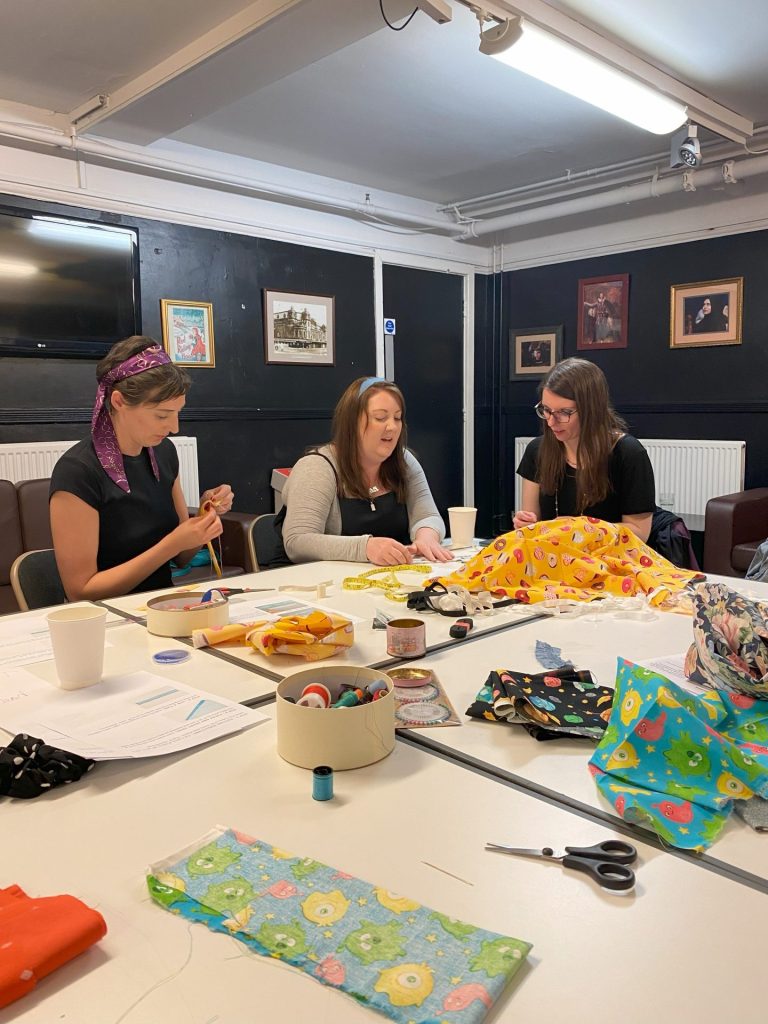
298 328
603 308
533 351
188 332
706 313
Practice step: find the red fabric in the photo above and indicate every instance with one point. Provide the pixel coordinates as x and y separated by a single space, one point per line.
39 935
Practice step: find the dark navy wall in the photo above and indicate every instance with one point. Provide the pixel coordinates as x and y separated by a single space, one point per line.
248 417
714 393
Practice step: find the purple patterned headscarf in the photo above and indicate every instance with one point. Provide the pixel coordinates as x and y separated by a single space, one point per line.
102 430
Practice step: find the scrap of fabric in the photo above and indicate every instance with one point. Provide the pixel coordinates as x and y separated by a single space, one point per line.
388 952
575 557
40 935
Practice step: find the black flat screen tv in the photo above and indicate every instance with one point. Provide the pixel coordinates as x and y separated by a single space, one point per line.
67 287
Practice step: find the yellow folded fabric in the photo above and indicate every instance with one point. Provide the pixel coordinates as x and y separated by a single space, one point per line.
576 558
233 632
313 637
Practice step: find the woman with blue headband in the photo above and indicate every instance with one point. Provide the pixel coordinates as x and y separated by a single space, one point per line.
363 497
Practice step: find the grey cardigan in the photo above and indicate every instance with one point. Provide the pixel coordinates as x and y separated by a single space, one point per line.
313 517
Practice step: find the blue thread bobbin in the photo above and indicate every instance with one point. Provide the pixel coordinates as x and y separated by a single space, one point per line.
322 783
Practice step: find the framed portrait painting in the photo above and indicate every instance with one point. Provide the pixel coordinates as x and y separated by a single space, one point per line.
533 351
298 328
706 313
603 308
188 332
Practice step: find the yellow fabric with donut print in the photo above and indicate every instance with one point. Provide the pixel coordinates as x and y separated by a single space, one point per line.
575 558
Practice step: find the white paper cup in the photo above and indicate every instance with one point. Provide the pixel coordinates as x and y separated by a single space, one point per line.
77 638
462 523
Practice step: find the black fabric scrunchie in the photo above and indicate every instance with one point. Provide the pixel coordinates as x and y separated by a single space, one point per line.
29 767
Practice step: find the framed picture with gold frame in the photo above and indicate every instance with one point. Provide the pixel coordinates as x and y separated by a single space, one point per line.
188 332
533 351
706 313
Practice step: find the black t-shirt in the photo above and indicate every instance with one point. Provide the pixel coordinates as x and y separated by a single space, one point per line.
129 524
633 489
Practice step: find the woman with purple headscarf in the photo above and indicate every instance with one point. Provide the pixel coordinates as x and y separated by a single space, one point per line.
118 514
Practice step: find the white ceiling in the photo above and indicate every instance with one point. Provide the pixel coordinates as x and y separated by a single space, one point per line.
323 86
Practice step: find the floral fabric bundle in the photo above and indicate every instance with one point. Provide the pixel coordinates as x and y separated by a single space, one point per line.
730 642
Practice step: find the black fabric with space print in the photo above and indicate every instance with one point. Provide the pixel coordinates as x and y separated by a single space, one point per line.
560 702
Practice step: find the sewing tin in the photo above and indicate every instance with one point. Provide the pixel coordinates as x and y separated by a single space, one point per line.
411 676
406 638
338 738
178 614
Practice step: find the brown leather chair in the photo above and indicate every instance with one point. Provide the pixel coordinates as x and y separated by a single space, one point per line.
734 526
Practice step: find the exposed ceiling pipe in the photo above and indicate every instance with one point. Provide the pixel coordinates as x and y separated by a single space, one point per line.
619 196
208 176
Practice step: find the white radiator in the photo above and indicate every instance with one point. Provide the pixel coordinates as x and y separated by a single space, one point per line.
688 473
35 461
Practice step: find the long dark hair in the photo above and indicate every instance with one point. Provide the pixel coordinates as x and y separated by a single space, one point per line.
599 428
350 409
158 384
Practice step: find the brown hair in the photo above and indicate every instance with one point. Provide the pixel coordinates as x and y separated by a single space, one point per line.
346 441
155 385
599 428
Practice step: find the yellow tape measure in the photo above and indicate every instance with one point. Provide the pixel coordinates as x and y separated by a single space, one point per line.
393 589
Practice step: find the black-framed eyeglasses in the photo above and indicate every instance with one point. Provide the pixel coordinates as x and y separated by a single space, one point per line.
558 415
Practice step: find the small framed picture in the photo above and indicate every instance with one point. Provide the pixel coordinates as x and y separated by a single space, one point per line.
188 332
706 313
603 312
298 328
533 351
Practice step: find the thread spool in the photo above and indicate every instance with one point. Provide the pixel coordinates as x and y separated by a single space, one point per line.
375 687
350 699
322 783
315 695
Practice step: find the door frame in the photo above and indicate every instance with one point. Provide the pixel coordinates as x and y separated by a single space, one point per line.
468 333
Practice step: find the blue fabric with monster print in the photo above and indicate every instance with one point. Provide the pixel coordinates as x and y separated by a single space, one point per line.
388 952
673 761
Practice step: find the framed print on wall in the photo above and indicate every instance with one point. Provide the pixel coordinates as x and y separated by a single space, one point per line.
533 351
298 328
603 312
188 332
706 313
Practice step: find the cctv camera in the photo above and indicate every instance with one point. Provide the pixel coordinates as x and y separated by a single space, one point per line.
438 10
685 150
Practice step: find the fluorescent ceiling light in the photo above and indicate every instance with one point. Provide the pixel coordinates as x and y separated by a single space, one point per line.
530 49
17 268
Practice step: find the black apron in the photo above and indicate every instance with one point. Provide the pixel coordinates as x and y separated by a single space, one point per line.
381 516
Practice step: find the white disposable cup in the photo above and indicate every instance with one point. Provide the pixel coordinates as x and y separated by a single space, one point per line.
462 522
77 638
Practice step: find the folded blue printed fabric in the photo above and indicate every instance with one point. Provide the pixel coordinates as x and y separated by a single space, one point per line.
674 762
390 953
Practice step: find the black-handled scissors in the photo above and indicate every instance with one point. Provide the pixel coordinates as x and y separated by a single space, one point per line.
606 862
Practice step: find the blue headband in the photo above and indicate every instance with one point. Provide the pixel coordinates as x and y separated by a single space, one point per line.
369 383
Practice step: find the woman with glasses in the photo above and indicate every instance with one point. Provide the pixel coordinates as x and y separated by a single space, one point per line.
584 463
363 497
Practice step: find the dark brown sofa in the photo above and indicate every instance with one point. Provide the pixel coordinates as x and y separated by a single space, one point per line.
25 526
734 526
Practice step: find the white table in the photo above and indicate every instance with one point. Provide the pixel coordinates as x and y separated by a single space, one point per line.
370 646
594 642
671 951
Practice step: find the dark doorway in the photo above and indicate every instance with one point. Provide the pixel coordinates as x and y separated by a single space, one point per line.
429 368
